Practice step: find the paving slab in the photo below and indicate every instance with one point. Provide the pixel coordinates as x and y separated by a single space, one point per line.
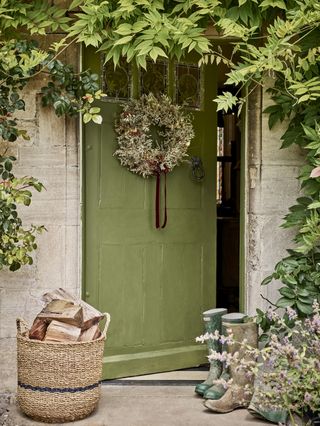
150 406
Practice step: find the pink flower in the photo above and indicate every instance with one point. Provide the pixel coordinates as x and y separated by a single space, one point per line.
315 172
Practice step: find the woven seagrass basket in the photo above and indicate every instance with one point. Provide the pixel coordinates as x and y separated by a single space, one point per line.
58 382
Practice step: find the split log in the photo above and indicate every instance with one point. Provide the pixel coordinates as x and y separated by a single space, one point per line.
64 311
38 329
91 316
91 333
61 332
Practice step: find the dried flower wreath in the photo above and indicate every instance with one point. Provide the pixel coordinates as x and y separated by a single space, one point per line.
153 136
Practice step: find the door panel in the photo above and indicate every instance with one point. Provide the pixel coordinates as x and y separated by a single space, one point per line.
155 283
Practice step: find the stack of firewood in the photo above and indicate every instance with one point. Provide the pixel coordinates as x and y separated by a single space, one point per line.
66 318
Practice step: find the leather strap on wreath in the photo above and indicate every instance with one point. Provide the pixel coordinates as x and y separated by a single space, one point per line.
158 196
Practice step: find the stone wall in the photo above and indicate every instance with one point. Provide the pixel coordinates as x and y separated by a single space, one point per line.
52 156
272 186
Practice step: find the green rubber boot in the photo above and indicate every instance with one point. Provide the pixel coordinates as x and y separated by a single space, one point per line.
239 394
272 415
216 391
261 410
212 322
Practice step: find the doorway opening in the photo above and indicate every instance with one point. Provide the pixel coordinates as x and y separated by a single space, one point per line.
228 203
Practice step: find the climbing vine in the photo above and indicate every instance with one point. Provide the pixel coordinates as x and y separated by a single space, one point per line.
289 55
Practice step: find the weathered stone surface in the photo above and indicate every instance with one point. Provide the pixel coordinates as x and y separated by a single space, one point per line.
272 186
150 405
273 249
8 359
72 277
53 212
31 127
51 127
273 155
276 190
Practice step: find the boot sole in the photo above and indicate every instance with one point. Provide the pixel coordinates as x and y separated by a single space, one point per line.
223 411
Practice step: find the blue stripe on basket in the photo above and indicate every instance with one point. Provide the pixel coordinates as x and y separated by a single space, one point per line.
58 390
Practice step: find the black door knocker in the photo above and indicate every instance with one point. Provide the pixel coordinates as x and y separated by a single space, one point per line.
197 169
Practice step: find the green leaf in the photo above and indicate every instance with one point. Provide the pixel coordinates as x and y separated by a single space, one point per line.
303 292
304 98
310 132
273 3
14 266
264 338
124 29
97 119
75 3
123 40
304 308
288 279
314 205
94 110
267 280
306 300
226 101
87 117
159 52
284 302
287 292
8 165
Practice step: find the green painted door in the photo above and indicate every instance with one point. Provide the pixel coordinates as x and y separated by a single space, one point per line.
154 283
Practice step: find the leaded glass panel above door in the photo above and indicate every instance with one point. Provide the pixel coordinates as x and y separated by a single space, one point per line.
116 82
181 81
154 79
188 84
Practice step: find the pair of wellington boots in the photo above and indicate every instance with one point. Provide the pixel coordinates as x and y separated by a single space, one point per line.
213 319
239 393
